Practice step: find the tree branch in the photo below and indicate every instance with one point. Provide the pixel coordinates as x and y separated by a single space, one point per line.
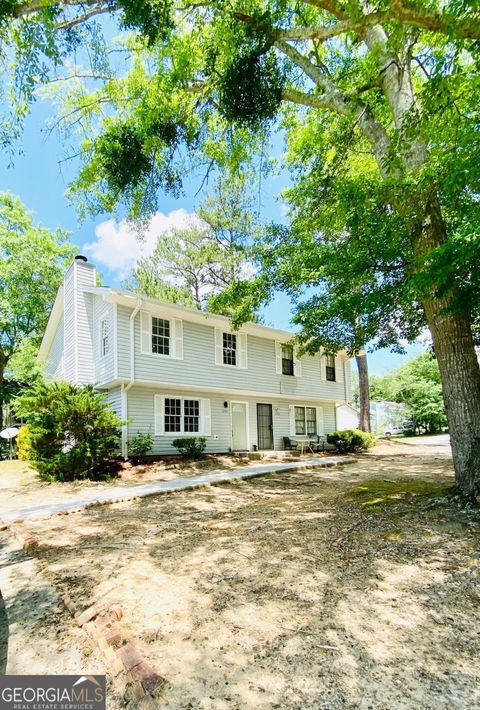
83 18
324 33
413 17
445 22
310 100
29 8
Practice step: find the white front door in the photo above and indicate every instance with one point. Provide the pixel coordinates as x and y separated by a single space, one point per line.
239 426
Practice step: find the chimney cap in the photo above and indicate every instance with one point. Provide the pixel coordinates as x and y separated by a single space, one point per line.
80 257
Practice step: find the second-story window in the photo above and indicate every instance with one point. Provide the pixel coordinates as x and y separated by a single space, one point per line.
229 349
104 337
160 336
287 360
330 368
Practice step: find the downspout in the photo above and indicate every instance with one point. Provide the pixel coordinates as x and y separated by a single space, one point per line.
126 387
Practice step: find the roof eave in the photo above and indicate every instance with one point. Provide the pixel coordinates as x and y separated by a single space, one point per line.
53 321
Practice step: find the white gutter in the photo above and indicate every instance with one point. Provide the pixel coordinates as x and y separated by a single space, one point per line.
132 342
125 388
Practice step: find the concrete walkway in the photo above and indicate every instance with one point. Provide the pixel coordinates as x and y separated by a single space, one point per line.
119 493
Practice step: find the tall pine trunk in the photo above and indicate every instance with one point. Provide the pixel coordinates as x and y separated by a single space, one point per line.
457 361
3 362
364 391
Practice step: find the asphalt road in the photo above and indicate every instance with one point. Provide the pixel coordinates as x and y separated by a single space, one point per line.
435 440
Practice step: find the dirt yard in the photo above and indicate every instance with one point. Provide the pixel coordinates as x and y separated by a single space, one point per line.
21 487
354 587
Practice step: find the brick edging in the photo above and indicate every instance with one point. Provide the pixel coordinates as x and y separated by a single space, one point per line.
120 655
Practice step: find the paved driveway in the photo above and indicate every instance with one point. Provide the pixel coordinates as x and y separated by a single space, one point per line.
435 440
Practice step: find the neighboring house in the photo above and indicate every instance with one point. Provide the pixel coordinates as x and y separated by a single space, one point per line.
175 371
386 414
348 417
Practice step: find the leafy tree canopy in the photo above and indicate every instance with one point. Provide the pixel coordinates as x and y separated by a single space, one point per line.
417 384
203 86
190 265
32 264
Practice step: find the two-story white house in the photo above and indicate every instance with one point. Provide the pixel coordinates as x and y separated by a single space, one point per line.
174 371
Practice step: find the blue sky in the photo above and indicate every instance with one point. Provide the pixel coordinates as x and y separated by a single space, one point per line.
40 177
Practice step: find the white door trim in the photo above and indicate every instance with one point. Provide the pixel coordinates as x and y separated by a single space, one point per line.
247 421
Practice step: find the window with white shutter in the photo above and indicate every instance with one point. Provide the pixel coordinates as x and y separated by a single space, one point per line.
182 415
161 336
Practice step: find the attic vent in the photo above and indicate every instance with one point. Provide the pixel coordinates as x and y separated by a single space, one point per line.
80 257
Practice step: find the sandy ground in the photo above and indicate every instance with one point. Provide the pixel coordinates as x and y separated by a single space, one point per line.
352 587
21 487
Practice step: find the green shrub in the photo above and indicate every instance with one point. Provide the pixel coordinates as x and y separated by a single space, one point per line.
4 449
24 449
140 445
351 440
72 432
191 446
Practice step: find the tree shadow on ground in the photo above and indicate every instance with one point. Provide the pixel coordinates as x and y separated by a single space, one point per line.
339 589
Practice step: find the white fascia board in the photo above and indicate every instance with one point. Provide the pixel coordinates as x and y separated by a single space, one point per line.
193 315
350 406
235 394
53 321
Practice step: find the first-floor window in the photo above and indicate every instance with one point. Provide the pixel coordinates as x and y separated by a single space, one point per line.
330 368
299 420
104 337
305 420
173 415
311 417
191 415
182 415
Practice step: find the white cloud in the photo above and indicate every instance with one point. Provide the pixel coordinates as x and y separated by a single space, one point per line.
119 245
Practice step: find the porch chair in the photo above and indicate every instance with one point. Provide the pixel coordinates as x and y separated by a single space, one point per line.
288 444
318 443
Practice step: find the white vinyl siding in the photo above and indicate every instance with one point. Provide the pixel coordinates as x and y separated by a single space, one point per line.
338 368
85 277
104 337
161 337
145 413
104 364
202 349
53 367
79 325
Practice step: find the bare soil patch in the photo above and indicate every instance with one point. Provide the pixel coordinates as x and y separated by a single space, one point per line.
353 587
21 486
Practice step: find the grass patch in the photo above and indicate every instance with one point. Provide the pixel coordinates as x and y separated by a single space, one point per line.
374 495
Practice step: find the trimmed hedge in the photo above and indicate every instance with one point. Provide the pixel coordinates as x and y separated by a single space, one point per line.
351 440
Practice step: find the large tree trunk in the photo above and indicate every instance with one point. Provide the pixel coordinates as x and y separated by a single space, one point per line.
3 362
457 361
364 391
